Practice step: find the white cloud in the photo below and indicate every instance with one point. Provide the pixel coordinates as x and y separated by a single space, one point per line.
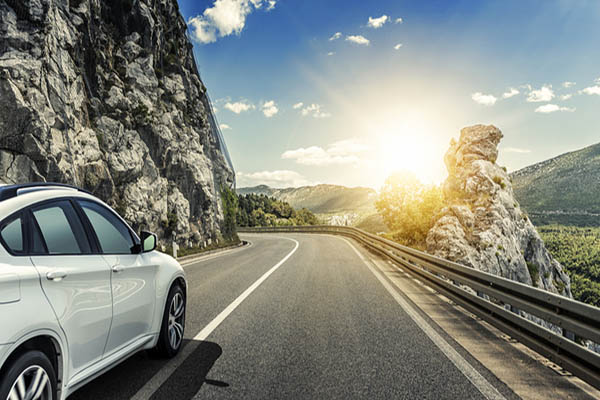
315 110
544 94
592 90
566 96
336 36
515 150
568 84
550 108
238 107
269 108
277 179
511 92
297 105
377 23
358 39
224 18
484 99
330 53
399 20
224 127
398 46
339 153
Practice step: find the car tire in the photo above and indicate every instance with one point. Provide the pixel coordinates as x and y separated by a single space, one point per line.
172 328
30 372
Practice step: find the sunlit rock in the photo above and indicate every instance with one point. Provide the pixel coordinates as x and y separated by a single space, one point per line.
105 94
482 225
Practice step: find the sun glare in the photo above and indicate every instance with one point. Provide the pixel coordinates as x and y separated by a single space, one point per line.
410 147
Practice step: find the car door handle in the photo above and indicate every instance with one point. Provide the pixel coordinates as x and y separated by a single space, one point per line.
56 275
117 268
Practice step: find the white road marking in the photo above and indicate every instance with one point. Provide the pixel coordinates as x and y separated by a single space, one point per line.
165 372
204 333
489 391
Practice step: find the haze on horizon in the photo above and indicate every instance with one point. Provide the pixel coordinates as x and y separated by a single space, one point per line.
346 93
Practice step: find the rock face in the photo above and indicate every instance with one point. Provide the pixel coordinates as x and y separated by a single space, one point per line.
105 94
482 225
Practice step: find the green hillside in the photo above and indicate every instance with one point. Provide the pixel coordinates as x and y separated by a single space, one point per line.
321 199
563 190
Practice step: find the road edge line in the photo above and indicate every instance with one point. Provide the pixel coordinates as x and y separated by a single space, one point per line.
482 384
158 379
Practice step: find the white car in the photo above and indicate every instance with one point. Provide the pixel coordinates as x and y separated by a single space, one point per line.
79 291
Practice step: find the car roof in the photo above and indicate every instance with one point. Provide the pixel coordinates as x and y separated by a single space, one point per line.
27 195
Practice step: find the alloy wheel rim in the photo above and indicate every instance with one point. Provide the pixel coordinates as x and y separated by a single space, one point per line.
176 315
32 384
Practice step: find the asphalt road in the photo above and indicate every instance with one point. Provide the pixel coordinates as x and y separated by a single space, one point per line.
321 325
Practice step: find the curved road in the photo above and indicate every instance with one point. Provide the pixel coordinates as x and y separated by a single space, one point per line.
322 323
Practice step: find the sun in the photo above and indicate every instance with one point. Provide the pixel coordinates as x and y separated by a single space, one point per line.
409 146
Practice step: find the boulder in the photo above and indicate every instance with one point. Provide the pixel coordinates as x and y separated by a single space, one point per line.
482 225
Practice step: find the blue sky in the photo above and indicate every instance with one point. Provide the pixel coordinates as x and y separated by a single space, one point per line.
399 80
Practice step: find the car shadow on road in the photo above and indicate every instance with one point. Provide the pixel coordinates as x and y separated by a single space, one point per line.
189 377
124 381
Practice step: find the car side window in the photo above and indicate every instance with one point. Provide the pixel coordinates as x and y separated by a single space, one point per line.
12 235
113 235
61 229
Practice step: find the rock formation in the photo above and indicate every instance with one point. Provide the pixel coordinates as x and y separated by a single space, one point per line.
105 94
482 225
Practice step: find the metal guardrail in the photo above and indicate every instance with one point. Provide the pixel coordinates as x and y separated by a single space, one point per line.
497 300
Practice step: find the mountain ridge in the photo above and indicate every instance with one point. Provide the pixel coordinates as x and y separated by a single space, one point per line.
564 189
322 198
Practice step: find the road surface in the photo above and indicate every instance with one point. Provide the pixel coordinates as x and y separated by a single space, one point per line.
305 317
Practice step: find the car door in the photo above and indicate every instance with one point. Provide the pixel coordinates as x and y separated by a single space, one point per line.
132 279
75 281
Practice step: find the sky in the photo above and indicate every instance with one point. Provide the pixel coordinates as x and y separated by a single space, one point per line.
349 91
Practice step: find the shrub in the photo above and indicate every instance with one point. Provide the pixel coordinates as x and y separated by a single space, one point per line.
170 225
534 272
499 181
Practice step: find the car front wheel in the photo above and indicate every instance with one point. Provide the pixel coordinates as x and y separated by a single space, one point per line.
173 324
31 376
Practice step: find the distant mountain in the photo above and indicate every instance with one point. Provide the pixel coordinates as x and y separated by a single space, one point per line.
322 199
563 190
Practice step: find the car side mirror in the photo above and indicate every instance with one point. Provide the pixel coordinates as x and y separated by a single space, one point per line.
149 241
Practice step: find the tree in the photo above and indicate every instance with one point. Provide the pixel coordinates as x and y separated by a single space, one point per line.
407 207
230 211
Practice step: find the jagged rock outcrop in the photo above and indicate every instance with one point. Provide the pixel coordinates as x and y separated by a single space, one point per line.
105 94
482 225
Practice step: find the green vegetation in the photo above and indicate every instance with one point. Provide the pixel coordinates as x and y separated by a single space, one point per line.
261 210
322 199
408 208
230 209
534 272
563 190
499 181
170 224
578 250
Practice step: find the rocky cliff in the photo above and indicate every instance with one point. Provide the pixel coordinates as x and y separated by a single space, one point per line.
105 94
482 225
